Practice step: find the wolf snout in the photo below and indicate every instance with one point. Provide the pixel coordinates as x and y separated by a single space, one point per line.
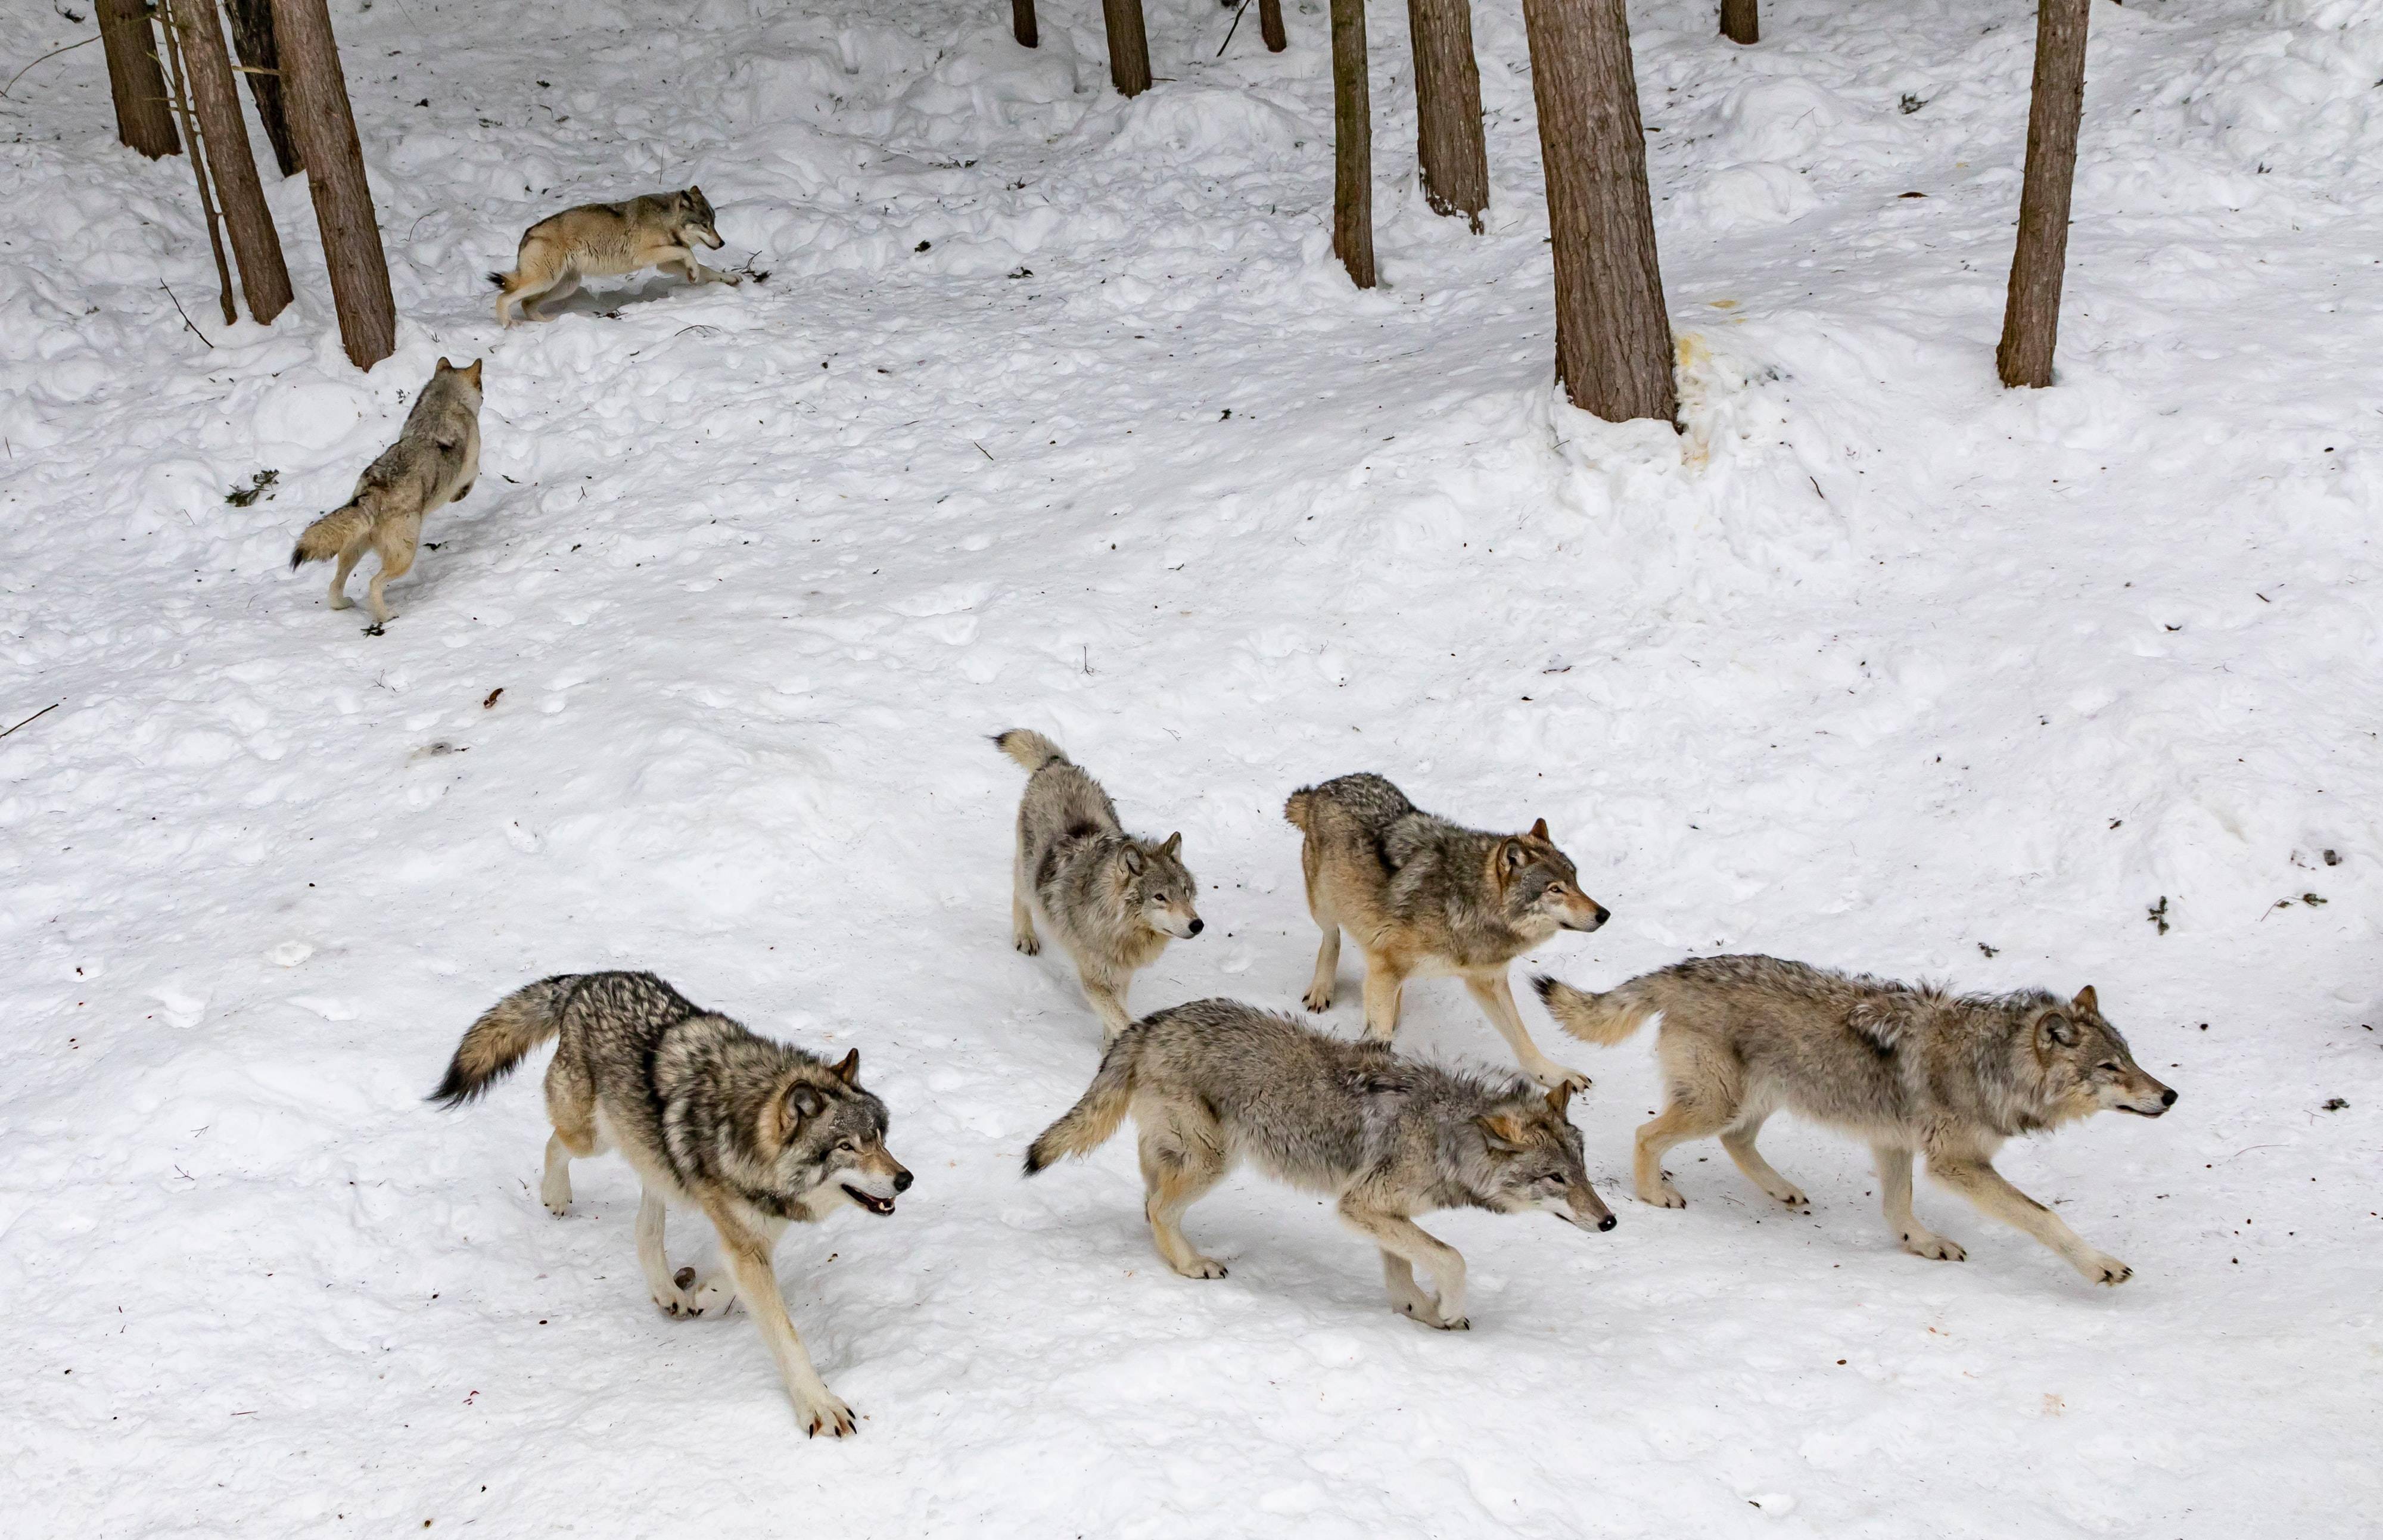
1195 927
902 1180
1602 915
1607 1223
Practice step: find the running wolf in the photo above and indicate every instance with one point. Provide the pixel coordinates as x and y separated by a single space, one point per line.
1216 1082
433 462
1114 901
755 1133
606 240
1908 1069
1423 897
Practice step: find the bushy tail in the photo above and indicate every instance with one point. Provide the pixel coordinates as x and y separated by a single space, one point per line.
1088 1125
329 535
1294 812
505 1032
503 280
1032 749
1605 1018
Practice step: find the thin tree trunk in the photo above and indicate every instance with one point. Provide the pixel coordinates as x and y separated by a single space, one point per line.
1129 46
1353 145
1613 334
1022 22
1739 22
196 140
1270 26
143 119
1449 149
252 35
223 137
2031 312
326 129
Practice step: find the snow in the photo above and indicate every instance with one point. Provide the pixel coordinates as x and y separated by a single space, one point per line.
1879 666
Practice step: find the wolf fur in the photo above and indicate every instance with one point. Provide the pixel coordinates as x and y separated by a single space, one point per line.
1422 896
607 240
755 1134
1114 901
1909 1069
433 462
1215 1081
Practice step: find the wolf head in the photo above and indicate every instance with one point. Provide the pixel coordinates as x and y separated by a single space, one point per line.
1540 887
1531 1163
467 377
821 1139
2083 1065
1159 888
695 219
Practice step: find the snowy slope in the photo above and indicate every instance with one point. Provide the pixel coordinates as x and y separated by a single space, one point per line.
1881 666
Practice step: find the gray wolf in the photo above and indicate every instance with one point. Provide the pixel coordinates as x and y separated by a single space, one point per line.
606 240
1114 901
433 462
755 1134
1215 1081
1907 1069
1422 896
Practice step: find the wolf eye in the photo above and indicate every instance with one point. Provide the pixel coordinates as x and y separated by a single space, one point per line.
1159 898
2111 1067
847 1145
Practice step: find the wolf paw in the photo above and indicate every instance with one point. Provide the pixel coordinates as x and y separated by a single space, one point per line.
1424 1311
672 1301
341 601
1935 1248
555 1194
1793 1197
1665 1196
1202 1267
1555 1077
1317 1000
827 1414
2104 1269
1027 945
711 1298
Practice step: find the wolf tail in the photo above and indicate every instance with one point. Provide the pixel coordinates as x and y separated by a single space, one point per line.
1032 750
505 1032
1295 811
1605 1018
503 280
330 535
1088 1125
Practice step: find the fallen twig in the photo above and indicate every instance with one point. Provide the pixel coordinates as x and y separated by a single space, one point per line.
43 712
50 55
184 313
1232 30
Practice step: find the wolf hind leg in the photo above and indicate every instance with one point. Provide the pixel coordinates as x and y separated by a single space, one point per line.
1176 1170
1739 1142
654 1260
1684 1119
396 561
1385 982
347 564
1401 1237
1894 1193
570 1107
1021 908
1327 967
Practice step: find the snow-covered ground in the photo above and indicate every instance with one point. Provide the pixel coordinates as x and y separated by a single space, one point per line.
1055 410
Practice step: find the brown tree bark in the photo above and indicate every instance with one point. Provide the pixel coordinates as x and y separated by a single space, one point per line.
325 129
144 120
251 37
192 136
1353 145
1129 46
2032 310
264 276
1021 23
1614 334
1740 23
1270 26
1453 161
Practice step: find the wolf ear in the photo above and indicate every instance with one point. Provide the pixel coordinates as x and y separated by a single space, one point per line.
2087 1004
1133 860
444 368
2055 1029
1517 854
1173 843
1539 830
804 1102
1559 1099
849 1070
473 369
1503 1131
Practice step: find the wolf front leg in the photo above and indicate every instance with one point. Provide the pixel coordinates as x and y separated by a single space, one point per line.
1401 1236
1894 1188
687 267
747 1253
1496 997
1106 994
653 1261
1979 1182
1385 980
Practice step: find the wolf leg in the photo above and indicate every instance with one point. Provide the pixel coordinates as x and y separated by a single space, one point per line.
1894 1192
746 1252
1401 1236
1739 1142
1021 908
1398 1276
1496 998
1108 998
396 561
683 262
653 1260
348 559
1384 980
1683 1119
555 1188
1175 1172
1983 1185
570 1107
1327 967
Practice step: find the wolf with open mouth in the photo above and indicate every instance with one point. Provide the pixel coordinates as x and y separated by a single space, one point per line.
755 1134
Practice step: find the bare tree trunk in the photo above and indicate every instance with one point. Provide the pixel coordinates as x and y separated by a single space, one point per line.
1129 46
2031 312
1740 23
252 35
223 136
326 128
1021 23
135 79
1449 149
1353 145
1270 26
1613 334
196 140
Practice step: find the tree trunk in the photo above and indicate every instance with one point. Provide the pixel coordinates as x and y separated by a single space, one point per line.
1021 23
252 35
136 79
1449 149
1129 46
326 129
1353 145
263 277
2031 312
1739 22
1270 26
1613 334
196 140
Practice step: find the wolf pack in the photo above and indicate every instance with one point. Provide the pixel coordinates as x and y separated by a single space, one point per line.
756 1135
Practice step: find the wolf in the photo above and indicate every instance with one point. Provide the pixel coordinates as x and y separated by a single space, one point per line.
1114 901
433 462
755 1134
1216 1082
1421 895
1909 1069
606 240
